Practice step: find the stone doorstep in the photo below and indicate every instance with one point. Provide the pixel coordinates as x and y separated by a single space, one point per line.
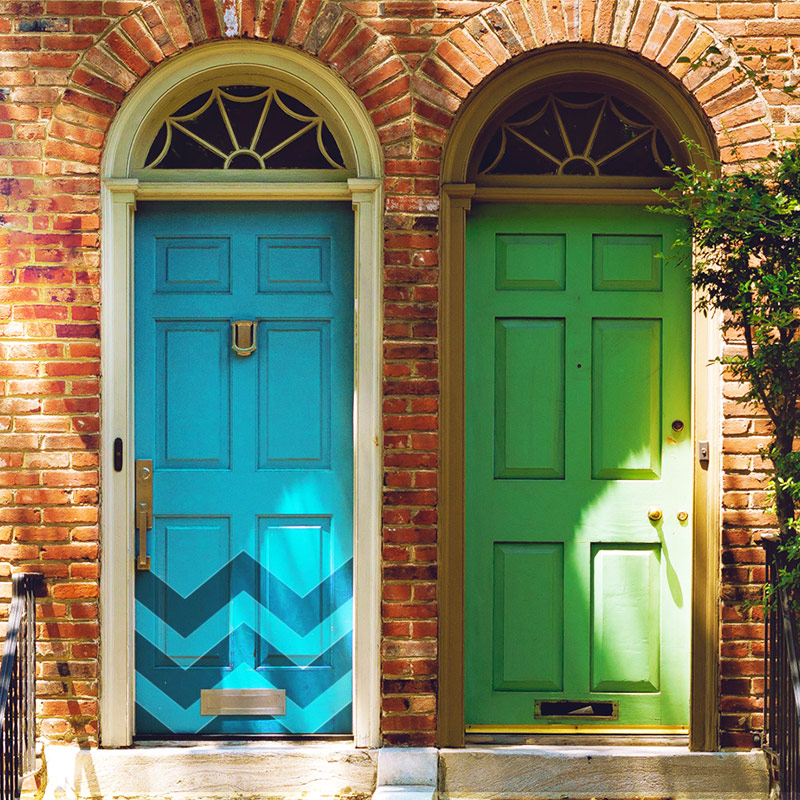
261 771
615 772
230 770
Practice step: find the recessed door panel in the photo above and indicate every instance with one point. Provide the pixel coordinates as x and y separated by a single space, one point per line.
528 650
626 398
529 398
250 586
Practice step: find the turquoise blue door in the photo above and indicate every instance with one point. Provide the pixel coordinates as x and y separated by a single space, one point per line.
251 545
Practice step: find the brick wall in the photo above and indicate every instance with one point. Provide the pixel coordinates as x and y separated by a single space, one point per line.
65 66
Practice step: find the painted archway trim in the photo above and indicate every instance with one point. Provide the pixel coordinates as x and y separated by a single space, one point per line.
120 192
178 79
665 100
457 196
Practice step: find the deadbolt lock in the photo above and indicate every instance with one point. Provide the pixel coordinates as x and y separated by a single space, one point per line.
654 513
683 516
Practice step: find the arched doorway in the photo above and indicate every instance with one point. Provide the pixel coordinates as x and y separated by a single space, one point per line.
585 599
241 202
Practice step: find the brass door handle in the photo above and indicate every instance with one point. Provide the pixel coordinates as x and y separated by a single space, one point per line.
654 513
144 508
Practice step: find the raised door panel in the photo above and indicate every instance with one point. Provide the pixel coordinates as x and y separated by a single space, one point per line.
530 262
528 598
296 591
194 595
626 618
529 398
193 394
626 399
626 263
193 265
294 264
294 395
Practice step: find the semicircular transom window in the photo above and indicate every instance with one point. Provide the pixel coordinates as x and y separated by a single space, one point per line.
244 127
587 134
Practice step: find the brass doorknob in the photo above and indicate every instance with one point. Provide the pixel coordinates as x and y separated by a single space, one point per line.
683 516
654 513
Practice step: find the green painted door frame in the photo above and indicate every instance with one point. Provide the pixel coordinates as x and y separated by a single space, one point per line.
577 424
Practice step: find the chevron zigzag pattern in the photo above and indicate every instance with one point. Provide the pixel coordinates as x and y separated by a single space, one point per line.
245 628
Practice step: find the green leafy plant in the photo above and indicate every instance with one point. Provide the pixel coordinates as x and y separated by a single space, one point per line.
744 229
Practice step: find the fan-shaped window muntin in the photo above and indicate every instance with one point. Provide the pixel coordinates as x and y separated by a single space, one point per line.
590 136
244 127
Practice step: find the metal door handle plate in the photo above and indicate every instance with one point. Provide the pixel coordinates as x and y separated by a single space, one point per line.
144 508
243 337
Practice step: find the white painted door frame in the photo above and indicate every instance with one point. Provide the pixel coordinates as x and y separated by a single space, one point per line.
117 537
120 192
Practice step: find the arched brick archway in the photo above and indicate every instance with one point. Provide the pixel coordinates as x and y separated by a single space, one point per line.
421 102
652 30
154 32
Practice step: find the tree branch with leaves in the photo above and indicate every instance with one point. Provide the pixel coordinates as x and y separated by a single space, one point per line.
744 228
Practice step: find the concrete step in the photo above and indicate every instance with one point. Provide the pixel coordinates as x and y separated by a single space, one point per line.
337 770
587 773
211 771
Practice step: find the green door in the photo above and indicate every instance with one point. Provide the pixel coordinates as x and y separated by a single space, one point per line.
577 426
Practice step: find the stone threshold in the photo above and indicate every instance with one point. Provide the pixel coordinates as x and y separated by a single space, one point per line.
307 770
216 769
612 772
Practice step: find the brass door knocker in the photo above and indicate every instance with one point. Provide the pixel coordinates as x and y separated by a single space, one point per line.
243 337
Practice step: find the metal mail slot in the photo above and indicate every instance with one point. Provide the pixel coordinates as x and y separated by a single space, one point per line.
581 709
243 702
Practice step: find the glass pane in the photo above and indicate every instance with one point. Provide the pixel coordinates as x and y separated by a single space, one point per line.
244 127
577 133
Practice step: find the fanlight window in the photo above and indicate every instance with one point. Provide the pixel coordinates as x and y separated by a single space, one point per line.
577 133
244 127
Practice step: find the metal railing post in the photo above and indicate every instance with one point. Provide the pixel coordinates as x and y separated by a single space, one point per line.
18 687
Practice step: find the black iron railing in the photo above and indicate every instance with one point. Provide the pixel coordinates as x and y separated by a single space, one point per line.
18 687
782 690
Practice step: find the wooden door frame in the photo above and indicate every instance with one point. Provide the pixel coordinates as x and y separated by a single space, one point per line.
119 193
456 198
